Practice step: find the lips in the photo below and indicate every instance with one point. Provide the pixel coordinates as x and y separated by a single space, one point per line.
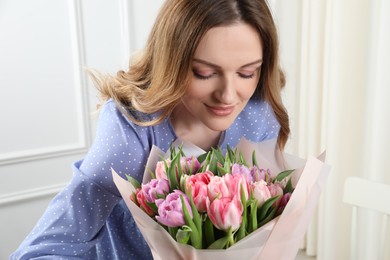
221 110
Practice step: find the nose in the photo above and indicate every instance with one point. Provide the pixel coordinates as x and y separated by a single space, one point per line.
226 92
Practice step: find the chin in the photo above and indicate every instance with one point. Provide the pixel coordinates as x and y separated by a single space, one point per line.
215 126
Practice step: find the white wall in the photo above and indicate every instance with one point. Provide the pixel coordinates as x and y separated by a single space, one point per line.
46 100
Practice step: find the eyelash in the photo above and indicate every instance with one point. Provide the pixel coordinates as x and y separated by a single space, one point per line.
201 77
246 76
198 76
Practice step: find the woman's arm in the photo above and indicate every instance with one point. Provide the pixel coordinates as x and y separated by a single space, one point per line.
75 220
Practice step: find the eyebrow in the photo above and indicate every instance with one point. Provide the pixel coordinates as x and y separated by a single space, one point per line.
217 66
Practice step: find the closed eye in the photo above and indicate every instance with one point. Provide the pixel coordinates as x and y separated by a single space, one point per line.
249 74
246 76
202 77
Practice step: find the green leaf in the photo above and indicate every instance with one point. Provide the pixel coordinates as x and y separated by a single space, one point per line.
220 243
209 232
269 217
283 175
172 231
242 160
196 239
263 210
183 235
181 151
252 226
172 150
219 156
221 171
231 154
133 181
202 157
213 162
241 233
254 160
289 188
152 205
196 216
227 165
171 173
206 162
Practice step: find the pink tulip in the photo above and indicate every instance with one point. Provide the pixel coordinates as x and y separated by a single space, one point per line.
170 209
160 171
189 165
283 203
284 200
239 169
154 188
260 192
227 186
197 185
217 188
259 174
225 213
276 190
143 204
235 183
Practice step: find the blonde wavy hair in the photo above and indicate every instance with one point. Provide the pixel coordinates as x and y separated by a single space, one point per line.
159 76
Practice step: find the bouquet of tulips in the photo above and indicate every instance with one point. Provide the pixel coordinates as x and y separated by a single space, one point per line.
212 201
197 205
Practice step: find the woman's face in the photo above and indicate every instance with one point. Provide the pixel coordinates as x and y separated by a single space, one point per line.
226 70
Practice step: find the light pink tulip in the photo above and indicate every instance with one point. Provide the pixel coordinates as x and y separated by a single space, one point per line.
235 183
275 189
217 188
227 186
160 171
260 192
225 213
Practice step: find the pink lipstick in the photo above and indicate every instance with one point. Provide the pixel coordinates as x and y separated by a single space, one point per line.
221 110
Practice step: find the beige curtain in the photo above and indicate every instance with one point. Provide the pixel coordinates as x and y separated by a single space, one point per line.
336 56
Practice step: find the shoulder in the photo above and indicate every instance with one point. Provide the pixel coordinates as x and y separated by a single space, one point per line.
118 144
115 119
111 111
122 145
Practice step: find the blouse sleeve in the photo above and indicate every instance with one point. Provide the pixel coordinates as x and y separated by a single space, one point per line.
75 219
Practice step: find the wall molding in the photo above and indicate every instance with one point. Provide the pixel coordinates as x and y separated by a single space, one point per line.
41 154
79 57
81 95
31 194
127 30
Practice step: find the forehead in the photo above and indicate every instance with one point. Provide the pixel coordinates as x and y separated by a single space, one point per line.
236 43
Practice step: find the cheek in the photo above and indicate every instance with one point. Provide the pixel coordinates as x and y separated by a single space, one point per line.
199 90
247 90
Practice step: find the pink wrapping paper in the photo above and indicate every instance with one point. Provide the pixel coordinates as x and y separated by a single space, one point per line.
278 239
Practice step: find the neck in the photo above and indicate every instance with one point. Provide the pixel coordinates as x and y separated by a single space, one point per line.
194 131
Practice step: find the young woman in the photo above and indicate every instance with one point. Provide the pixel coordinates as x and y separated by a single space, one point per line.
209 75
